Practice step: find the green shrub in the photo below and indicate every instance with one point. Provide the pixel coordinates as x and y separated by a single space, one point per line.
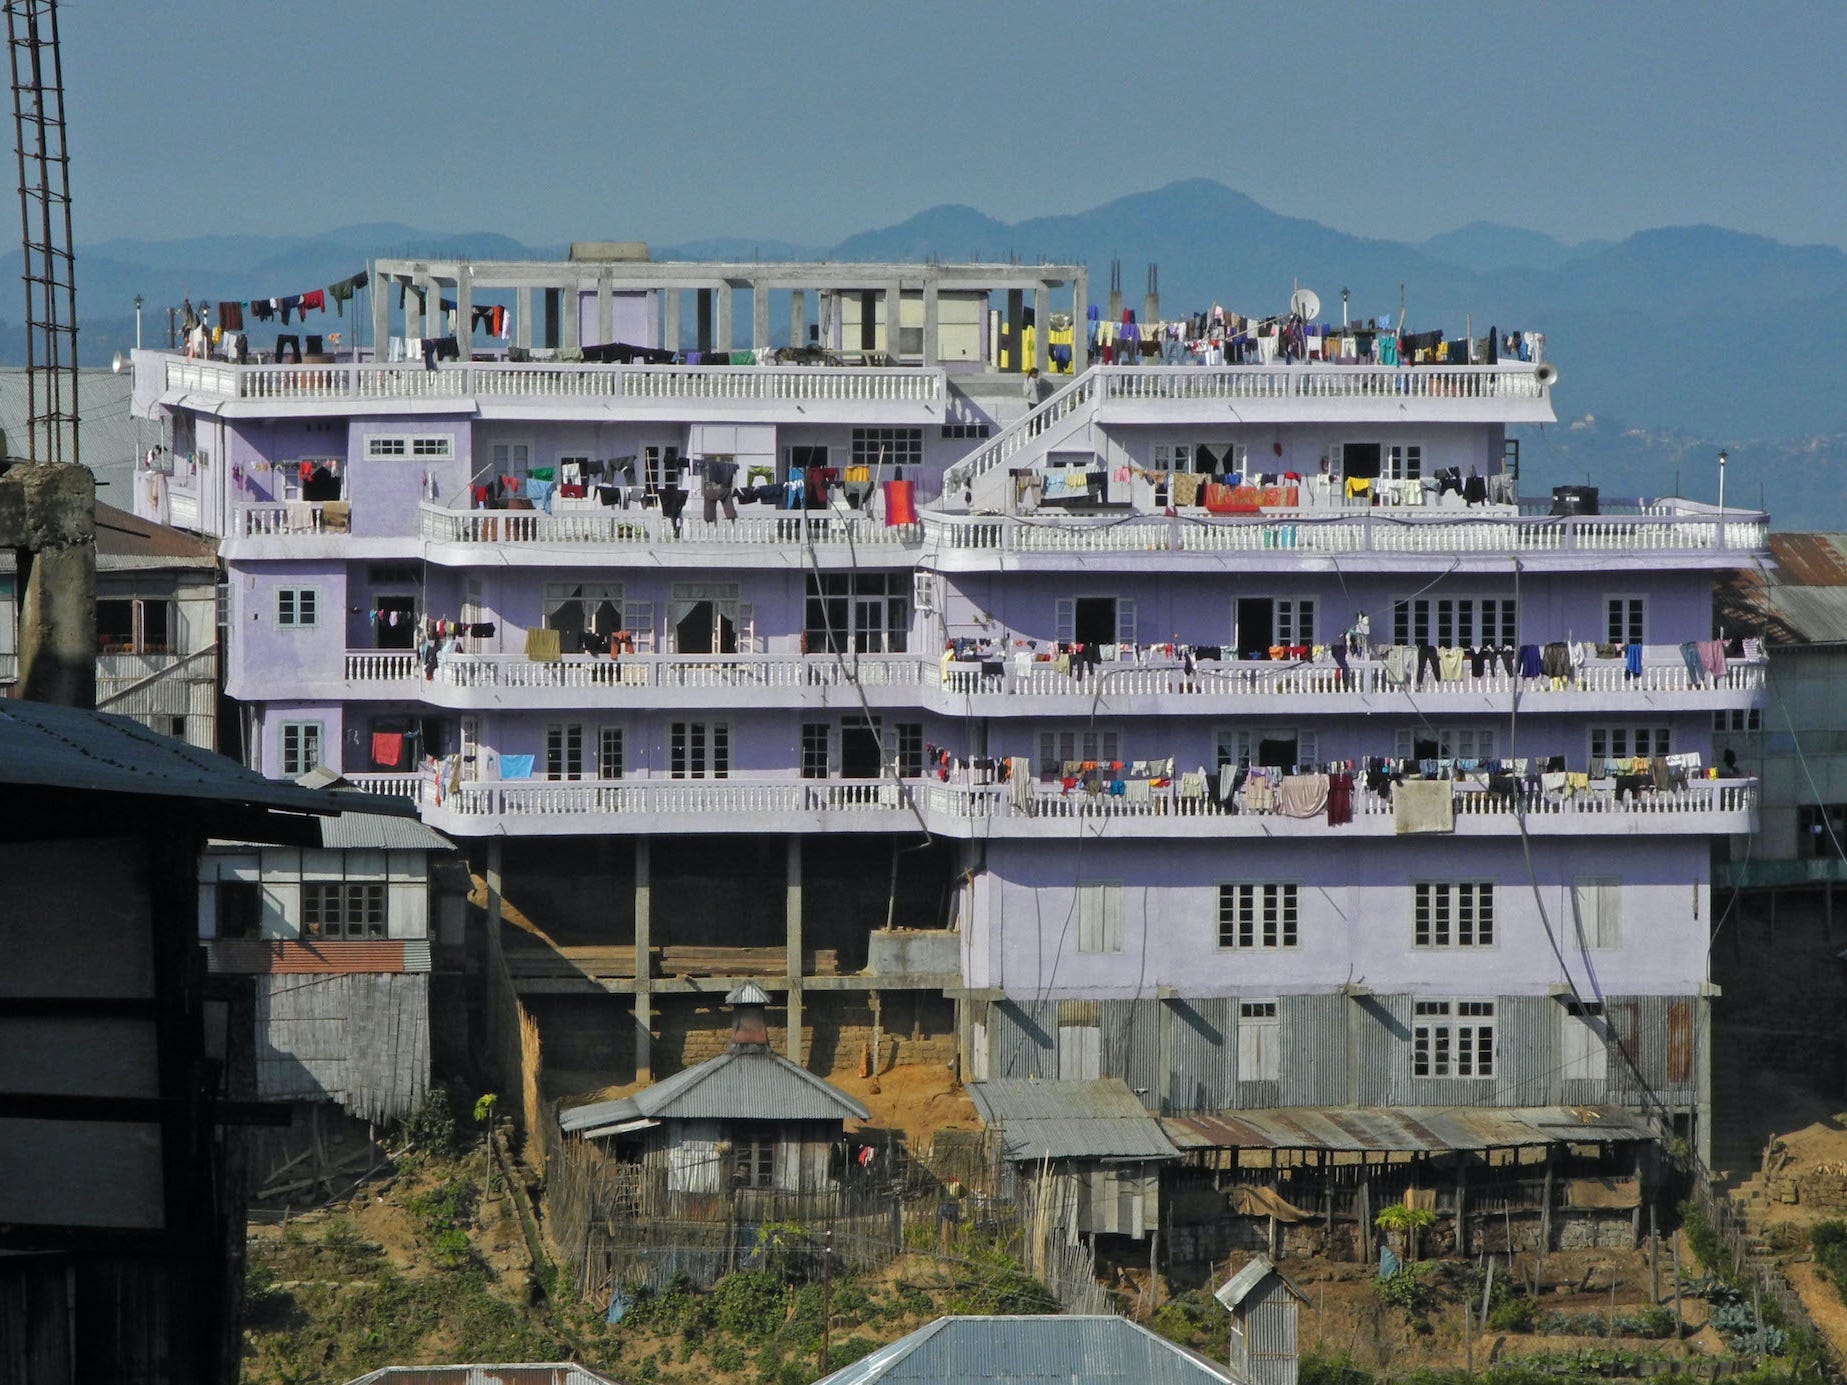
750 1304
432 1130
1409 1289
1315 1369
1513 1315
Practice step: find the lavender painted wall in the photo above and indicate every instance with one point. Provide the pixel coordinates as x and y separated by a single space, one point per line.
634 319
1355 924
386 492
265 656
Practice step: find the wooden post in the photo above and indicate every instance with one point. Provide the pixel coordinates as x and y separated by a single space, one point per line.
1680 1322
1462 1205
1365 1238
1545 1212
1468 1337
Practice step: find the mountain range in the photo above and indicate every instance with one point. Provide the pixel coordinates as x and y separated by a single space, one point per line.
1689 337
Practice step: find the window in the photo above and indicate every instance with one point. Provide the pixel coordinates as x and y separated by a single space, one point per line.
1820 830
1099 917
297 608
1583 1054
1452 1038
301 747
576 607
1455 622
860 612
910 749
429 446
1404 462
1056 748
1624 742
240 908
699 750
1444 743
1596 905
342 910
1260 1042
887 447
1626 619
1253 916
708 618
815 741
126 625
564 750
753 1162
1739 719
1453 915
1094 620
512 458
1277 747
967 430
609 753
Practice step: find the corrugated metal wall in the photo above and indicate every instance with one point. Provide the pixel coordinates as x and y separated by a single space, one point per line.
1202 1063
1526 1050
1270 1335
1024 1038
1314 1059
1132 1046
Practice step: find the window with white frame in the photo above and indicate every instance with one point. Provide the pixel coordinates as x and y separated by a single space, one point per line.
575 607
1099 916
1260 1041
1444 743
1626 619
1258 916
131 625
300 743
1452 1038
1272 747
342 909
609 752
1094 620
1627 742
1455 622
699 750
1597 910
1404 461
858 612
564 750
298 608
1583 1042
425 446
1058 748
817 742
1452 914
887 447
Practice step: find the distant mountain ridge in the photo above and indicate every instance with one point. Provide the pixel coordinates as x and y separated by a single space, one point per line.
1697 328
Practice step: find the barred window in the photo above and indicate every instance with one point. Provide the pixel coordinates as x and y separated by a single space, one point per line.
1257 916
1453 914
1452 1038
342 910
888 447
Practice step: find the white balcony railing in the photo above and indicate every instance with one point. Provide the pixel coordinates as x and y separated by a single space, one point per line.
1514 380
650 529
961 810
1663 671
411 380
1367 532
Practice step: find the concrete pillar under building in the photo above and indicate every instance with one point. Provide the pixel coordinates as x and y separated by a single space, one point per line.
894 319
644 972
759 315
798 318
721 327
932 351
522 318
572 306
381 318
465 313
792 912
670 319
48 519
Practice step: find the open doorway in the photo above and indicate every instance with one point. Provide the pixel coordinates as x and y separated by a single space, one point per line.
1256 626
704 618
394 622
1360 459
862 749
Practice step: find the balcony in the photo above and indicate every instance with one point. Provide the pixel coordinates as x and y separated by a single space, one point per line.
641 806
980 542
999 687
899 392
646 532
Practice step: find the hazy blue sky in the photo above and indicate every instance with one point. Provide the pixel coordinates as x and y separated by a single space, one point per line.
559 119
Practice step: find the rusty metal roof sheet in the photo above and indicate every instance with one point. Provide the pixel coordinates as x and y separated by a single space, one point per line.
1406 1129
1801 600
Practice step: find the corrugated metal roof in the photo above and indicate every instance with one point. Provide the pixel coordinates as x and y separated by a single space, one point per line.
379 832
1406 1129
120 534
562 1373
1100 1119
744 1084
1231 1293
1802 599
1069 1348
107 434
49 747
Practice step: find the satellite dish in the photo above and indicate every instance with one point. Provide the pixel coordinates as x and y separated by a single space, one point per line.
1305 304
119 364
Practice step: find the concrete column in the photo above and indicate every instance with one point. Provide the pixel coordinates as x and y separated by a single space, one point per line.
381 317
572 310
722 305
48 519
464 312
432 307
798 318
1010 329
644 983
1042 328
702 341
759 315
670 319
522 318
792 913
932 354
605 312
1080 324
894 318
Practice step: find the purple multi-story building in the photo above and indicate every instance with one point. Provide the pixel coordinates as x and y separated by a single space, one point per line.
1221 717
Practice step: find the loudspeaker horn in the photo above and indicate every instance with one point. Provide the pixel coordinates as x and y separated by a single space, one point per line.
1547 376
119 364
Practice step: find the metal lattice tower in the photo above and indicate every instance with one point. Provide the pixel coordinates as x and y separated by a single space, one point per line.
45 230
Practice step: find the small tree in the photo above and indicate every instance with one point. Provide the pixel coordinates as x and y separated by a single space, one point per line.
484 1116
1408 1221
